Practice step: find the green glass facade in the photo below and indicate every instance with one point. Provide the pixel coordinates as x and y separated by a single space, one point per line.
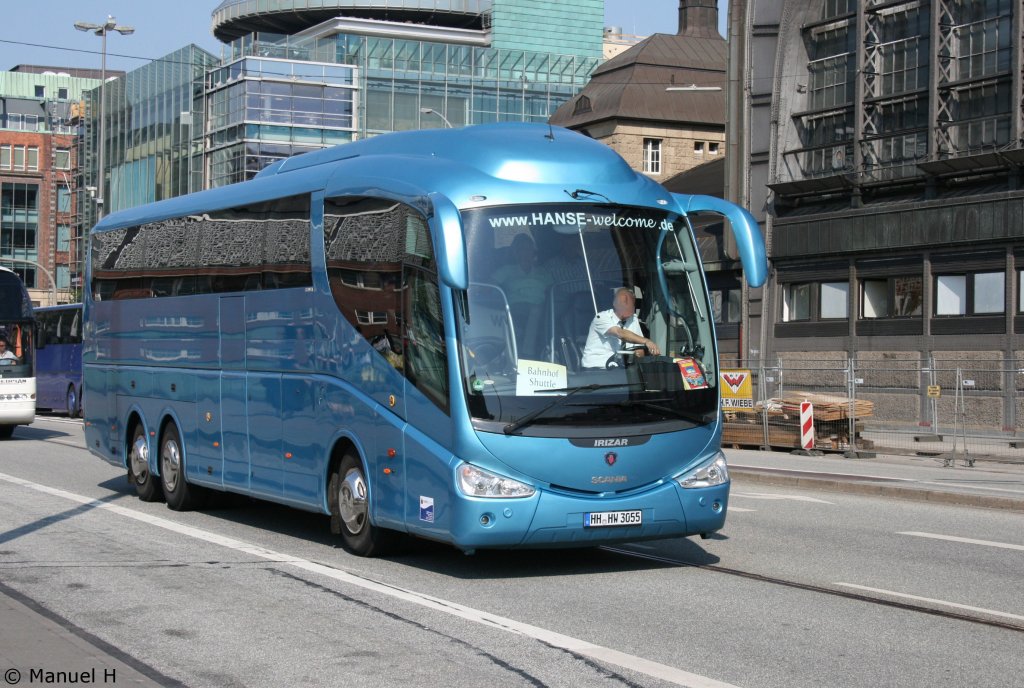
570 28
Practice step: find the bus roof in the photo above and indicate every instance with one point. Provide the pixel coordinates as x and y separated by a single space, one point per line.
473 166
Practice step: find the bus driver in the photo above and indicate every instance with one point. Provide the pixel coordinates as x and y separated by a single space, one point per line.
7 357
612 329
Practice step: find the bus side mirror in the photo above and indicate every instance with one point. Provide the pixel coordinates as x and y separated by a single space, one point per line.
449 244
745 230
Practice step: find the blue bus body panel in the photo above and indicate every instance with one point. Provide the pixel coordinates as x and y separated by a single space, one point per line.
265 384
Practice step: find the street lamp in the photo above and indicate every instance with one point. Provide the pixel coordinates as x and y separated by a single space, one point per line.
102 30
432 111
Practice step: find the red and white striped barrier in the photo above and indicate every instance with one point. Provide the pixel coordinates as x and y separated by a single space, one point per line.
807 425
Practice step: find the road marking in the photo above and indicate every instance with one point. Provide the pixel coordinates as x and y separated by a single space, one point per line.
765 495
858 476
943 603
972 487
736 508
581 647
970 541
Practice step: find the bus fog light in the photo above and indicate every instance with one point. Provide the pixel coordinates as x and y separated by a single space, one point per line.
710 473
476 482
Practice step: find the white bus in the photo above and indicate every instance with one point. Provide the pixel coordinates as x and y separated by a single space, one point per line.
17 377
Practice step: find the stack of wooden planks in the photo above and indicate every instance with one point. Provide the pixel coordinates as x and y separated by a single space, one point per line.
826 406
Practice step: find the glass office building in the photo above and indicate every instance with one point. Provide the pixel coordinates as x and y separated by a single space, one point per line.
282 95
154 133
341 70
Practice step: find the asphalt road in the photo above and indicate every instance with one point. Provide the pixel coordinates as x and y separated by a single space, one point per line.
802 588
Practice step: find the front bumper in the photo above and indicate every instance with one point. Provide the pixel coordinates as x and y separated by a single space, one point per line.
554 519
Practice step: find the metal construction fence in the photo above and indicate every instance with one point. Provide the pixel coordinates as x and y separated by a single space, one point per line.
955 410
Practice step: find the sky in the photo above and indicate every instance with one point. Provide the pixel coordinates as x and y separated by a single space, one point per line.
42 32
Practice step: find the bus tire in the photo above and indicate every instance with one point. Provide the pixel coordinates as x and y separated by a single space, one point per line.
72 405
349 500
146 485
6 431
180 495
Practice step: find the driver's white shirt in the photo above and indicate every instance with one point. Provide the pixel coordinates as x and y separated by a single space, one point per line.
600 345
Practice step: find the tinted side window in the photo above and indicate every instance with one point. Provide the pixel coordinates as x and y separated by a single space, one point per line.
258 246
380 266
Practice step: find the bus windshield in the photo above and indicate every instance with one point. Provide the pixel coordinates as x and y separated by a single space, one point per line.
553 291
15 328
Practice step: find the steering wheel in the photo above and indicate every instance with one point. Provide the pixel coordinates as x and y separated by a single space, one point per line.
621 358
489 353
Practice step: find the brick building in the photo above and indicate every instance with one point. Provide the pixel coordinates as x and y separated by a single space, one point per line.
38 163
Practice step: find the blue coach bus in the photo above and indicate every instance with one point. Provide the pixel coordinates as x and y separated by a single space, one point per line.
396 332
17 377
59 358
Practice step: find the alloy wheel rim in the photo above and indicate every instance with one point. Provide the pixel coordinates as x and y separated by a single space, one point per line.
170 464
352 505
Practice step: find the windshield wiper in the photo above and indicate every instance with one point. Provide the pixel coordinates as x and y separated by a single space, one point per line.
557 401
699 418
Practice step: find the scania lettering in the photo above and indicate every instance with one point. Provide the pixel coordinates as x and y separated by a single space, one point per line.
351 333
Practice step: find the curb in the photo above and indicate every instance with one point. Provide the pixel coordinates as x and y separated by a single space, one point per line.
873 488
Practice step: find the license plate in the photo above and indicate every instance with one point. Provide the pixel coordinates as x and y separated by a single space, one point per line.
602 519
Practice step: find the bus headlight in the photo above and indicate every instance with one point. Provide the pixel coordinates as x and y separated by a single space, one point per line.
476 482
710 473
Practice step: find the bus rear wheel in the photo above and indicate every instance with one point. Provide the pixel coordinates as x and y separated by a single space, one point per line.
349 499
142 479
180 495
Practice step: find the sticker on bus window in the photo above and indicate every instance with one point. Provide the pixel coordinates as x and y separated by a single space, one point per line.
693 376
540 377
427 509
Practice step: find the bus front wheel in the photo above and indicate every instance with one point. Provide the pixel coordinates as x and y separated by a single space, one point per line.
146 485
350 510
72 406
6 431
181 496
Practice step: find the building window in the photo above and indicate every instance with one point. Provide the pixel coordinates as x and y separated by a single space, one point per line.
582 105
5 157
980 293
796 302
835 299
371 317
62 93
40 91
807 301
698 148
989 292
62 159
19 158
32 159
63 199
652 156
894 297
63 237
713 148
63 277
725 305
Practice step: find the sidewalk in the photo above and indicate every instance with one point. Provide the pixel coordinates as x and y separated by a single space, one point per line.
988 484
37 646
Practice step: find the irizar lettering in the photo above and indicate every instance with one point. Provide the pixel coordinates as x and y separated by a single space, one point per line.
617 442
